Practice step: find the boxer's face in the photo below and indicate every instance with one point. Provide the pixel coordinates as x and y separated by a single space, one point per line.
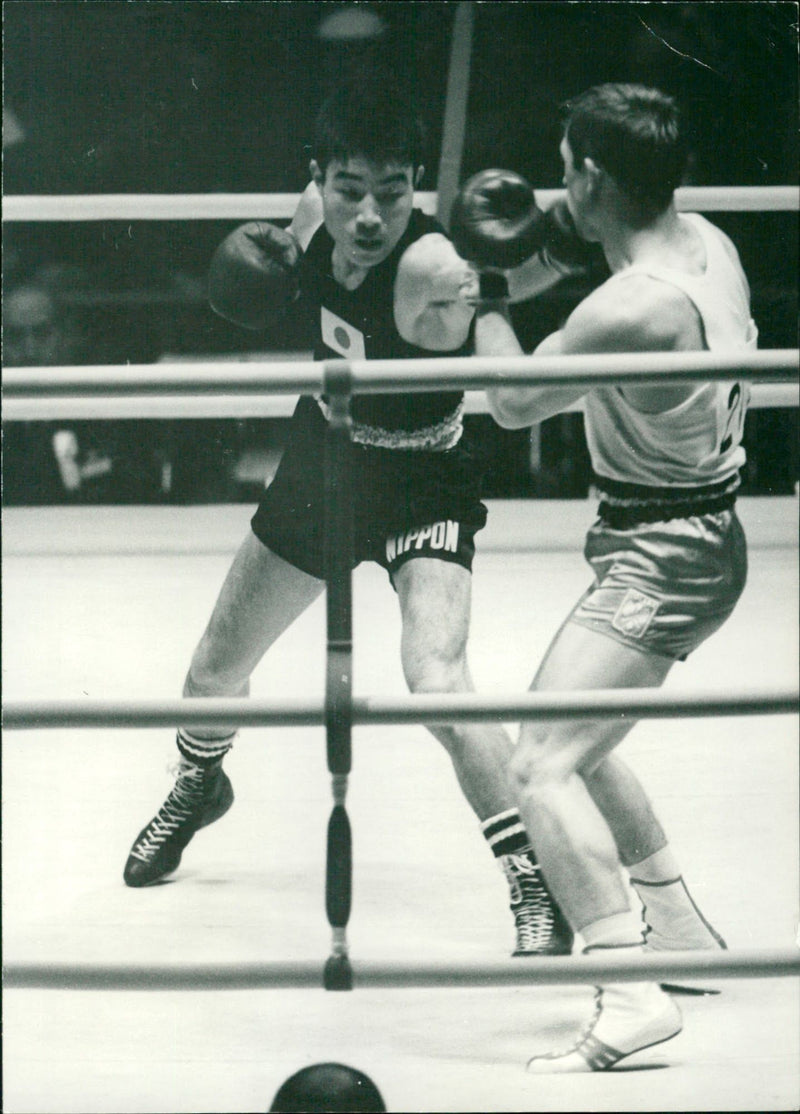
31 332
366 206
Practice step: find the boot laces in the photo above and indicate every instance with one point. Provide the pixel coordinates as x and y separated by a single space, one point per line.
531 903
181 805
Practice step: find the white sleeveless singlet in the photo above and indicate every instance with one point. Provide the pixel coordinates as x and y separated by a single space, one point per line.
698 442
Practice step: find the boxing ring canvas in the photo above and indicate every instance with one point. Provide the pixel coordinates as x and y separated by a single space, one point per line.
106 603
93 596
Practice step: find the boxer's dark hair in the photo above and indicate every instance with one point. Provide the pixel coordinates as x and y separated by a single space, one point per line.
372 117
634 133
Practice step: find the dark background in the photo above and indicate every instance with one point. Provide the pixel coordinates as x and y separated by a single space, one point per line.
151 97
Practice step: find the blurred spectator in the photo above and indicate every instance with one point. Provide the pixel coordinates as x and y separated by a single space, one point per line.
36 333
13 131
69 461
38 327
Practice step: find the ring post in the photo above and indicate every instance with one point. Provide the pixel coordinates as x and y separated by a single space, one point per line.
337 381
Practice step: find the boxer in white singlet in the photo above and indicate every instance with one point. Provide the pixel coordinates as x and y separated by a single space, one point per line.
667 549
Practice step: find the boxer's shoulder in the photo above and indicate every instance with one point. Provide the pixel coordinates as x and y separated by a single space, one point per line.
635 312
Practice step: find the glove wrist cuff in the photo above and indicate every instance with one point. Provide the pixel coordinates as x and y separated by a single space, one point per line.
493 286
558 265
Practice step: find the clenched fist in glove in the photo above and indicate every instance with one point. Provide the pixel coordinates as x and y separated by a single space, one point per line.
495 221
496 224
564 248
253 277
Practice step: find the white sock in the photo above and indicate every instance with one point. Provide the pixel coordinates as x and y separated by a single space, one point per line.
676 924
620 930
661 866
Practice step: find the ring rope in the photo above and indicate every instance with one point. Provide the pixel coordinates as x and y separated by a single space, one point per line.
338 382
99 408
282 206
386 376
546 971
427 708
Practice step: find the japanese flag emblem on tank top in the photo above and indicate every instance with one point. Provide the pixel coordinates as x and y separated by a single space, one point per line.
635 614
342 337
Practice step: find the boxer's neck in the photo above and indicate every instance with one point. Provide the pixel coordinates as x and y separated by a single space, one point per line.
665 241
348 274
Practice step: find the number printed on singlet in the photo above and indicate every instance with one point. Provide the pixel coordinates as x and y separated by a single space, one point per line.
734 423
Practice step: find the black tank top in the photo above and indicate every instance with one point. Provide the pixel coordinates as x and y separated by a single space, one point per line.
337 315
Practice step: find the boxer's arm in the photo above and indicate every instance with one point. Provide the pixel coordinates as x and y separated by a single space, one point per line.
430 310
307 216
647 316
532 278
518 407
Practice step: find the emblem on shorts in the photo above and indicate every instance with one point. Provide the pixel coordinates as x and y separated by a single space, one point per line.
635 614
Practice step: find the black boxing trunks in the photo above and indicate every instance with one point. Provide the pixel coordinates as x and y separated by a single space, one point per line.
406 504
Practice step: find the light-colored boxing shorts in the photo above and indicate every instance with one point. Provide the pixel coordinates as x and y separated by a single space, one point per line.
664 587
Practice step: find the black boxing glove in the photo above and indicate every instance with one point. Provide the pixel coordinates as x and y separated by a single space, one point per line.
253 276
564 248
495 221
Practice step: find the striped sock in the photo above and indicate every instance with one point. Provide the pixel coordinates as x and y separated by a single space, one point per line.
505 834
203 752
541 927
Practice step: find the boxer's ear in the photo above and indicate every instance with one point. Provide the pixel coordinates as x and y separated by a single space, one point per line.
592 170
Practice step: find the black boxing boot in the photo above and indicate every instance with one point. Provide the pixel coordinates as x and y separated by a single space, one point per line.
202 794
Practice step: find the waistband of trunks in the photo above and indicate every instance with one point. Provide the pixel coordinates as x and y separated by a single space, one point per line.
436 438
624 505
624 518
620 494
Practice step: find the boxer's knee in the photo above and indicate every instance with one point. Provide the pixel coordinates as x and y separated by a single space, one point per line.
540 764
435 672
212 672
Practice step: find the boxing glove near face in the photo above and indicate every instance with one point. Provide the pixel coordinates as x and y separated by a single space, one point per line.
252 279
564 247
495 221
